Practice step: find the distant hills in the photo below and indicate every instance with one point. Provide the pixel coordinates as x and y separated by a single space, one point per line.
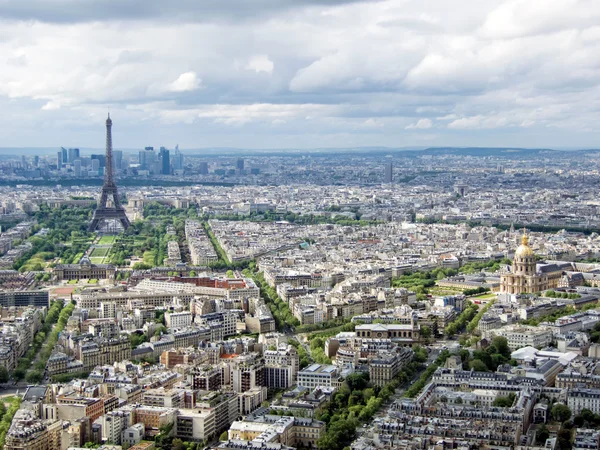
508 152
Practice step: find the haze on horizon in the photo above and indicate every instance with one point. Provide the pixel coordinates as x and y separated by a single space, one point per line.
300 74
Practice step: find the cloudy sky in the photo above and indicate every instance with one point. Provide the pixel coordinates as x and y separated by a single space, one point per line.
300 73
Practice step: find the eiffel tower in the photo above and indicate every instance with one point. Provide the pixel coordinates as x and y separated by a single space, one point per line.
109 189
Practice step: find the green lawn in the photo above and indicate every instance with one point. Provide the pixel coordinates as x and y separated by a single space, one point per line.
441 290
107 240
97 260
485 296
99 252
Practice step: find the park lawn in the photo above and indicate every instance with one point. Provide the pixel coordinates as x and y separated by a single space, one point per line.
485 296
107 240
97 259
73 281
99 252
77 257
442 290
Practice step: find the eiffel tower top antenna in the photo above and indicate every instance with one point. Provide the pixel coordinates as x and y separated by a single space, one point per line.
108 171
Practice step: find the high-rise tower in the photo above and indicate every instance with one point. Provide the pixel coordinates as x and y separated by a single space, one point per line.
389 172
109 189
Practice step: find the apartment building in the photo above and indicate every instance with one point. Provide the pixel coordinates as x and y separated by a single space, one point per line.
520 336
178 320
317 375
165 398
386 365
583 398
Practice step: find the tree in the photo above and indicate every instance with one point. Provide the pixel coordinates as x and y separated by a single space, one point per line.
34 377
542 434
478 366
4 376
192 273
230 274
501 345
505 402
224 436
564 439
561 412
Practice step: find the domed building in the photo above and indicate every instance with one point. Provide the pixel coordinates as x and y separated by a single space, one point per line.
524 276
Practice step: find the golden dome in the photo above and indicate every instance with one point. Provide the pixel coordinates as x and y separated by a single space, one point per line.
524 249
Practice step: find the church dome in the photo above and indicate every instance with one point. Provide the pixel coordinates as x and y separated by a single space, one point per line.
524 249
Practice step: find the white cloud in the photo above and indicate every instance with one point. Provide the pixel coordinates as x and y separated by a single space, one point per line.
334 69
187 81
478 122
422 124
51 106
260 63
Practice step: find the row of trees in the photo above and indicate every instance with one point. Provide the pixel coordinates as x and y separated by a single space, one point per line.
475 321
310 327
462 320
36 374
417 386
477 290
554 294
7 417
26 361
280 310
303 355
215 243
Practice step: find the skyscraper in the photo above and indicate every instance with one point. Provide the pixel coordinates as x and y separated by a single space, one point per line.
240 164
59 160
165 161
146 158
117 159
388 172
73 155
77 167
177 159
64 154
203 168
101 160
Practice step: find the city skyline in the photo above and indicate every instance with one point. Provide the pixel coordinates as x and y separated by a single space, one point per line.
312 74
